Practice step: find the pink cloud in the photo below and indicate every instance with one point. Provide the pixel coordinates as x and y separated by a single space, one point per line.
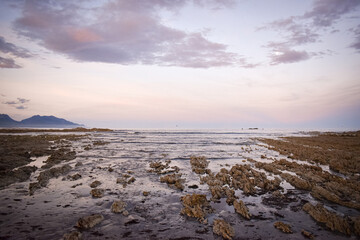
83 35
123 32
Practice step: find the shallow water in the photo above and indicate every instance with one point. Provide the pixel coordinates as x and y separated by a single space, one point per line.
55 209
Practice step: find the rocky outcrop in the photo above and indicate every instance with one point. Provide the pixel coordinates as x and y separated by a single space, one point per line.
307 234
74 235
174 181
97 192
196 206
62 154
321 193
286 228
241 209
296 182
119 207
95 184
223 229
89 221
199 164
331 220
163 168
45 176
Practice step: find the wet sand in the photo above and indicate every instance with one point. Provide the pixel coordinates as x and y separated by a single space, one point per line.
107 185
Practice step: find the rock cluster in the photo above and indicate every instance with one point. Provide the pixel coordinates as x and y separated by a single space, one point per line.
197 206
45 176
223 229
62 154
119 207
199 164
173 180
331 220
163 168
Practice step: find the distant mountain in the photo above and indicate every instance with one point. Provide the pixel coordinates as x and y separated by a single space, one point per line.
37 121
5 120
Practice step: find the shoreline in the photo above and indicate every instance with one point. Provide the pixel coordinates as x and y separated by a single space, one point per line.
282 186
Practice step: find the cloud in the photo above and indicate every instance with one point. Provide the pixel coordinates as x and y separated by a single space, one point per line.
306 29
12 50
8 63
21 107
325 12
20 103
288 56
356 43
123 32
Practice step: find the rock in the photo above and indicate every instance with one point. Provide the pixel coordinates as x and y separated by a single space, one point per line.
199 164
283 227
89 221
46 175
331 220
223 229
74 235
146 193
356 224
78 164
159 168
307 234
194 186
173 180
97 192
196 205
95 184
296 182
230 194
322 193
74 177
62 154
241 209
131 180
118 207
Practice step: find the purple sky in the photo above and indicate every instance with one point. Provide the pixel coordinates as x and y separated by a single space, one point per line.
191 64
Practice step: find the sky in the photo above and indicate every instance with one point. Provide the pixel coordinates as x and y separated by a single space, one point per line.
182 63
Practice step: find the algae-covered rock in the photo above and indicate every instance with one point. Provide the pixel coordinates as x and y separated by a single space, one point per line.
95 184
296 182
286 228
196 205
331 220
241 209
74 177
89 221
45 176
118 207
74 235
173 180
97 192
199 164
307 234
223 229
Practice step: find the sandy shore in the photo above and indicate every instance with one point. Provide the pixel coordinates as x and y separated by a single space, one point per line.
111 185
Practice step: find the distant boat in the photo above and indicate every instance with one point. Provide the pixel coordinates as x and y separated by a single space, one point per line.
253 128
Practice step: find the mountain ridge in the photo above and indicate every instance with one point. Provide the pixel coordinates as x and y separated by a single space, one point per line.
37 121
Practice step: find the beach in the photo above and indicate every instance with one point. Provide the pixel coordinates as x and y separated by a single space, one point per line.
179 184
